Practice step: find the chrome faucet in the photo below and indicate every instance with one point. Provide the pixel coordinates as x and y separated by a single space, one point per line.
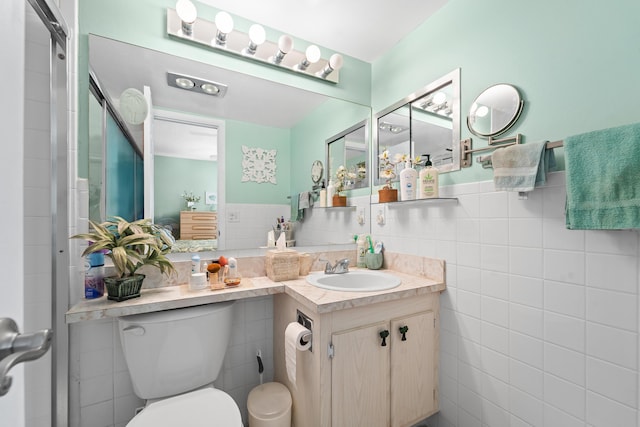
341 267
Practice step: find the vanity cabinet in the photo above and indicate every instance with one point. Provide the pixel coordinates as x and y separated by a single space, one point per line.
351 378
196 225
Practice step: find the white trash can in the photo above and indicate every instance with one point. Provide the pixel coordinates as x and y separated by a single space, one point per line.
269 405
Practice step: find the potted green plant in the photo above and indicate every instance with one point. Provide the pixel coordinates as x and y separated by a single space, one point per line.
129 245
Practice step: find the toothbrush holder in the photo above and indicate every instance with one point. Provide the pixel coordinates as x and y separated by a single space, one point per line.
373 260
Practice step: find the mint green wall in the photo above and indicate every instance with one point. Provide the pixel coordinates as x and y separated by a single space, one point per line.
575 62
174 176
308 138
238 134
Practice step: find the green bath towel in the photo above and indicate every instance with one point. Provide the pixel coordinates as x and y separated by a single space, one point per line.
603 179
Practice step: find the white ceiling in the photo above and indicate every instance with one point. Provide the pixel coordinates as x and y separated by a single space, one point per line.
364 29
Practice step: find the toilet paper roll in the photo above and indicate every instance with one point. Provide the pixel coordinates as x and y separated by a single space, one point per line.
292 343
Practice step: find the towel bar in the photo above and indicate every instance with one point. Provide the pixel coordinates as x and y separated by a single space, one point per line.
466 150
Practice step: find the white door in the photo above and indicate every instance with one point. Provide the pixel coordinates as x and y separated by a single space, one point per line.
12 27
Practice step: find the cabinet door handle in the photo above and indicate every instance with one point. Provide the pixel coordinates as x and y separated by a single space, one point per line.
403 330
384 334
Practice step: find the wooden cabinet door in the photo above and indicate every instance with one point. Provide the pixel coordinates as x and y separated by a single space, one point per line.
413 378
360 378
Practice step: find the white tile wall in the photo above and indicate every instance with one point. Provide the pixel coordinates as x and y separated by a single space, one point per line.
539 324
37 211
101 390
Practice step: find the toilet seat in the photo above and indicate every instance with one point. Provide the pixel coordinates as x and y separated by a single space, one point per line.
198 408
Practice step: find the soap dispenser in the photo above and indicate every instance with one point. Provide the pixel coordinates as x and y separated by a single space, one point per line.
408 180
331 191
428 180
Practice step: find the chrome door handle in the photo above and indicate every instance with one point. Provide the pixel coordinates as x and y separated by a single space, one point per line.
17 348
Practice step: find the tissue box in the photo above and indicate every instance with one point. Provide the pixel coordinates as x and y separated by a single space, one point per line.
282 265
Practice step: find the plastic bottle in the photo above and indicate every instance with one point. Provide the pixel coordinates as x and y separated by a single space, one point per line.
195 263
331 191
428 181
323 196
94 276
361 249
408 181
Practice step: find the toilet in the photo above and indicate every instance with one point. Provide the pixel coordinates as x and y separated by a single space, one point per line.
174 357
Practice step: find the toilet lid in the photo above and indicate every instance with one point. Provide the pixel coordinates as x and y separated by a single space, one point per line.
198 408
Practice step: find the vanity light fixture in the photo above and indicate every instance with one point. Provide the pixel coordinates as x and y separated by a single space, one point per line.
219 35
285 45
257 36
335 63
224 25
312 55
395 129
195 84
188 14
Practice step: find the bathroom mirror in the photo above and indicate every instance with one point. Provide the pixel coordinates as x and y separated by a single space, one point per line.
495 110
350 148
425 122
254 113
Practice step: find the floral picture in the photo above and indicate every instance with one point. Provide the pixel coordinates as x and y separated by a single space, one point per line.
258 165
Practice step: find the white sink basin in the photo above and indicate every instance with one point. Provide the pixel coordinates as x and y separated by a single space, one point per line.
355 281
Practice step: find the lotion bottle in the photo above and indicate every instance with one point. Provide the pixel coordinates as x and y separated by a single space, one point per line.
331 191
361 249
408 181
428 181
323 196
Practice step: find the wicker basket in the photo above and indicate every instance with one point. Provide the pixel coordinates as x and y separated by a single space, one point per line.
282 265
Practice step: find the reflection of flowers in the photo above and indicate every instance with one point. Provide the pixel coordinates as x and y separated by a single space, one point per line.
341 176
388 167
190 197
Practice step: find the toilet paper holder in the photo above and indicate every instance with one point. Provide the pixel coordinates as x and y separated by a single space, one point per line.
305 321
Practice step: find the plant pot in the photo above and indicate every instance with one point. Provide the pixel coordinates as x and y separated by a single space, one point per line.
339 201
122 289
386 195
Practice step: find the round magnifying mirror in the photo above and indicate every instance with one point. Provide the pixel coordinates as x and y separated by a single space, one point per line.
495 110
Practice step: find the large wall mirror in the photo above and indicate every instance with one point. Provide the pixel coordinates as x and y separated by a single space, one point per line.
425 123
202 138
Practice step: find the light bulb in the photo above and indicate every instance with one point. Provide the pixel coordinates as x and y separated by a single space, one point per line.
185 83
482 111
187 13
257 34
335 63
439 98
211 89
313 54
224 22
285 44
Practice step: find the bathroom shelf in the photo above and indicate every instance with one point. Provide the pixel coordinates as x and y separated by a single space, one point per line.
420 201
346 208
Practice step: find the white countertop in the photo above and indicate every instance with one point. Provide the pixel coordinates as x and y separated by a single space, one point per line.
322 300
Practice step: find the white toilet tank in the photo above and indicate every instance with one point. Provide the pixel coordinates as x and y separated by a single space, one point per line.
175 351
